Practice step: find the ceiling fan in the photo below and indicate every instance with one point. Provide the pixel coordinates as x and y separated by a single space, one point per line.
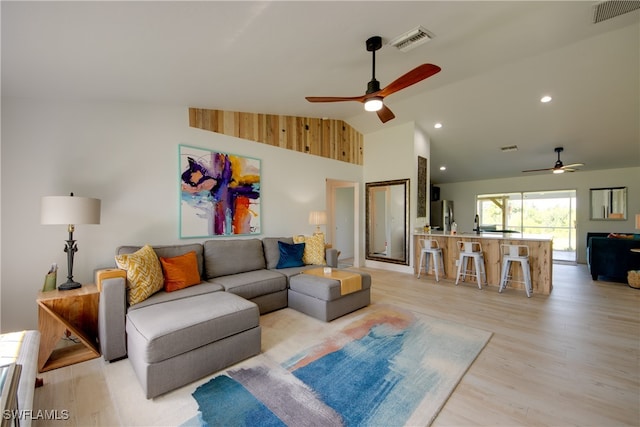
372 99
559 167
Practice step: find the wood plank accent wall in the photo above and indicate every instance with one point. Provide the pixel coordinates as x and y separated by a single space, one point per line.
333 139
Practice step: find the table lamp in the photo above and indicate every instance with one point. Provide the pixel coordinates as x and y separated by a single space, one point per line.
317 218
69 210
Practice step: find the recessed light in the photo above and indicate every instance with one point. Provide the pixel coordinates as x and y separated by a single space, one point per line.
437 125
443 168
546 99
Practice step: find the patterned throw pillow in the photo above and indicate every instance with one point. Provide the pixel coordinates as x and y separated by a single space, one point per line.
144 273
313 248
180 271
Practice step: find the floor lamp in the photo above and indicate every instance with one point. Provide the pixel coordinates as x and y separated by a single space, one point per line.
70 210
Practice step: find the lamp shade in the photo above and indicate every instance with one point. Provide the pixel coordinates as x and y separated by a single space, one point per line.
69 210
317 217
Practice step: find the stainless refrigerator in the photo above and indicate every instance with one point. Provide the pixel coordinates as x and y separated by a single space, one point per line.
442 214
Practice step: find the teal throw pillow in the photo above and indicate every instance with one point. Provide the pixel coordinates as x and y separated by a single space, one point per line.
290 255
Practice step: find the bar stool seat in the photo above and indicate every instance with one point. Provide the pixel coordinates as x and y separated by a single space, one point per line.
471 251
515 253
431 249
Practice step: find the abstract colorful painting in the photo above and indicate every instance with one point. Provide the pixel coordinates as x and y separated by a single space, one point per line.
219 193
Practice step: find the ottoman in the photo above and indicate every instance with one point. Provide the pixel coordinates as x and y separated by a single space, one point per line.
321 297
179 341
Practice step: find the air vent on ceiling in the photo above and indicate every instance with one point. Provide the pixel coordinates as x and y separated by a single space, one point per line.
508 148
412 39
612 8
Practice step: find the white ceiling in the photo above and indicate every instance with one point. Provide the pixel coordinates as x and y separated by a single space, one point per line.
497 59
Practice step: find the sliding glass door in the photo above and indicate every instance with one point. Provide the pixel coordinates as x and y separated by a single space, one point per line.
540 212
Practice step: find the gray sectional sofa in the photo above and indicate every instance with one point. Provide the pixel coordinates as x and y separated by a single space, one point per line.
174 338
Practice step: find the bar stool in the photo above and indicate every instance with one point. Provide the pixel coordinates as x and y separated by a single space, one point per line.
471 251
515 253
431 247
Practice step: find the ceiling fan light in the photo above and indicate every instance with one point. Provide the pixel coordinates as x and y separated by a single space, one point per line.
558 171
373 104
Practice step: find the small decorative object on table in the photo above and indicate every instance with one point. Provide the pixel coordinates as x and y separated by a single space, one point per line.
51 279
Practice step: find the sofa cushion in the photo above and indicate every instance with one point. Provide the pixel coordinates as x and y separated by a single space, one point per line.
162 296
224 257
168 251
293 271
272 251
178 326
144 273
290 255
253 284
313 248
180 271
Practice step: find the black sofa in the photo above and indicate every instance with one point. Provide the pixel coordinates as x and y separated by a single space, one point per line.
611 257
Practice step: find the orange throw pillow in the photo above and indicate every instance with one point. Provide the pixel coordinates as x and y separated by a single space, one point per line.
180 272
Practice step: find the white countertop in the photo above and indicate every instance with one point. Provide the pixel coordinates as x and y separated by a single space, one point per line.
496 235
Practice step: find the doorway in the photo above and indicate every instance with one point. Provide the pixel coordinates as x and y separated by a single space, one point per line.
343 225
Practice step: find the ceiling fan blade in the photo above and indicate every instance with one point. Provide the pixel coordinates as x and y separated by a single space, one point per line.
385 114
334 98
539 170
573 165
414 76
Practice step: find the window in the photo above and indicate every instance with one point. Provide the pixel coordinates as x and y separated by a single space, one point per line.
541 212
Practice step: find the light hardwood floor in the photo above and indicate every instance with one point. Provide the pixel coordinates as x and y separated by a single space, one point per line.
571 358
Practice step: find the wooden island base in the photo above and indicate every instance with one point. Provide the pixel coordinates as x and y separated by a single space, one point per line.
540 257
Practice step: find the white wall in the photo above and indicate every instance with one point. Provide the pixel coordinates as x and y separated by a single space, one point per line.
391 153
464 195
125 155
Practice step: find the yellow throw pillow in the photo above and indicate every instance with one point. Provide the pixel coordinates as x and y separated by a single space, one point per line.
313 248
144 273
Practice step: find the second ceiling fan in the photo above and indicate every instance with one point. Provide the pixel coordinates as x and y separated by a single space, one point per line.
559 167
373 98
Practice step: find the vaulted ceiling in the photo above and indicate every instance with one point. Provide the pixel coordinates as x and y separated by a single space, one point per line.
497 58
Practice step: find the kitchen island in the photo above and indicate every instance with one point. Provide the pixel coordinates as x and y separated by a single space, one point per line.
540 256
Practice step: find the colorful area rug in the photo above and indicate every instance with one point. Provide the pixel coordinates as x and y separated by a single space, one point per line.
387 367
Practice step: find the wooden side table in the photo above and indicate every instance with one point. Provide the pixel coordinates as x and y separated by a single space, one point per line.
75 311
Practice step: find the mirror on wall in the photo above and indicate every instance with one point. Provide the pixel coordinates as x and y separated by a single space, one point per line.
387 221
609 203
